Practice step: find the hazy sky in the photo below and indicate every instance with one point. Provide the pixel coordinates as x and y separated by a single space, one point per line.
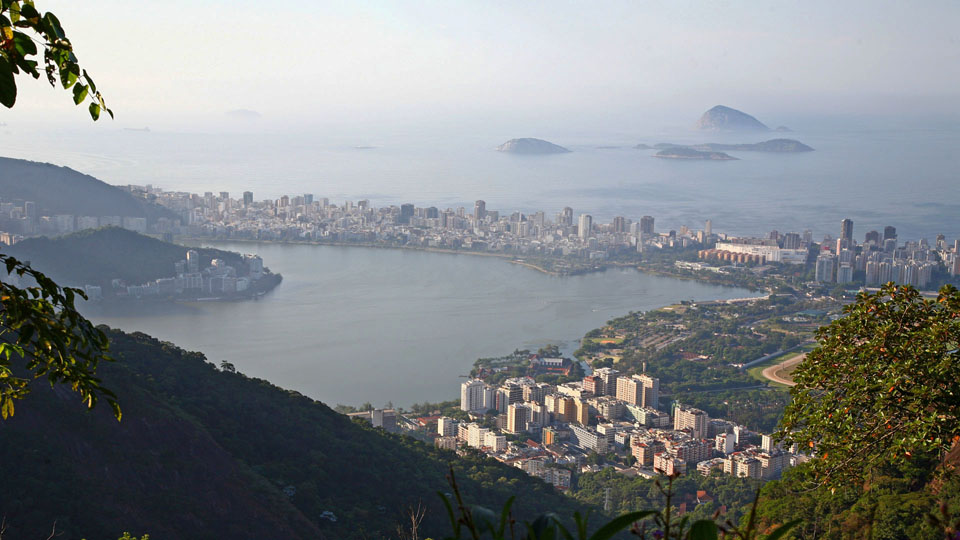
311 61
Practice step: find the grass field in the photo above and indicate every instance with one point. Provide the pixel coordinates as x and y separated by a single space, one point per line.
605 341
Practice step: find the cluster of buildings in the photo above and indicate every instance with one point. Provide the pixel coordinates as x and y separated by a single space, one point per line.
21 219
189 279
307 218
547 429
879 259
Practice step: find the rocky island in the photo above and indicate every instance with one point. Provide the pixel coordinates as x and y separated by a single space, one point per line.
685 152
779 146
531 146
721 118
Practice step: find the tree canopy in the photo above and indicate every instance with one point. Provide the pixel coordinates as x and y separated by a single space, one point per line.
883 387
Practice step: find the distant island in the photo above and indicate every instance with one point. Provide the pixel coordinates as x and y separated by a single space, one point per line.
531 146
112 263
684 152
781 146
721 118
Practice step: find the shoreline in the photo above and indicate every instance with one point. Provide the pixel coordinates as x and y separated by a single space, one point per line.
512 259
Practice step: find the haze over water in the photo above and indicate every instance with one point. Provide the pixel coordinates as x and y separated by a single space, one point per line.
875 172
350 325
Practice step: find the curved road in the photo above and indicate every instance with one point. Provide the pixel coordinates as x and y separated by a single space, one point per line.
771 372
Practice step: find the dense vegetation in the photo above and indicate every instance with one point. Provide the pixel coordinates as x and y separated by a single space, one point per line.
628 494
96 256
205 453
892 503
61 190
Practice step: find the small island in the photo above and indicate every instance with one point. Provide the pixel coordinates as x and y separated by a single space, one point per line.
531 146
683 152
776 146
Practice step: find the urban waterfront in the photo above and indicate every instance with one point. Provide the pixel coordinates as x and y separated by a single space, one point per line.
349 325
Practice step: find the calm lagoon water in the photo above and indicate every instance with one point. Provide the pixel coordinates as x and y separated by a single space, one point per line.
349 325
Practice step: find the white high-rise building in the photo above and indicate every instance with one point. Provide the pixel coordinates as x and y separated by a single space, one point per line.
474 396
446 427
693 419
585 227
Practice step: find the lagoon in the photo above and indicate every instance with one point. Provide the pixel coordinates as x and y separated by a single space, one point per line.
353 324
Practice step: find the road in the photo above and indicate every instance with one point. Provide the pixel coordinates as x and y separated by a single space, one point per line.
771 372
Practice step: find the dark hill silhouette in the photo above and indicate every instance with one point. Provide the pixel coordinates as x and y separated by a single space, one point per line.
205 453
61 190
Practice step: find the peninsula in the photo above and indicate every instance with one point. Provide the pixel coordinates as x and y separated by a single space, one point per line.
112 263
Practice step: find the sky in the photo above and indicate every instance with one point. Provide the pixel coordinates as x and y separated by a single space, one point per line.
187 63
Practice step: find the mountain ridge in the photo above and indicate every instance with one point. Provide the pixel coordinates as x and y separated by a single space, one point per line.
61 190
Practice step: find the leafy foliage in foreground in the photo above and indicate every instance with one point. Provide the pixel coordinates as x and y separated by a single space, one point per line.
628 494
42 335
22 28
882 388
471 521
206 453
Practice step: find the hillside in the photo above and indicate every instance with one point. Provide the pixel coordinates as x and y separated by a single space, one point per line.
531 146
721 118
203 453
95 256
61 190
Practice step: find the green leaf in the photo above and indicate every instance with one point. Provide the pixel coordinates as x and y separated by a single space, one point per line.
95 111
29 12
8 86
51 26
783 530
620 523
79 93
505 514
703 529
68 75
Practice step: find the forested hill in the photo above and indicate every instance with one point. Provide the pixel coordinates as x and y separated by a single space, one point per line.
204 453
61 190
95 256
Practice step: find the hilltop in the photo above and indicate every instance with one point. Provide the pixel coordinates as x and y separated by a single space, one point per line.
96 256
61 190
531 146
208 453
721 118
